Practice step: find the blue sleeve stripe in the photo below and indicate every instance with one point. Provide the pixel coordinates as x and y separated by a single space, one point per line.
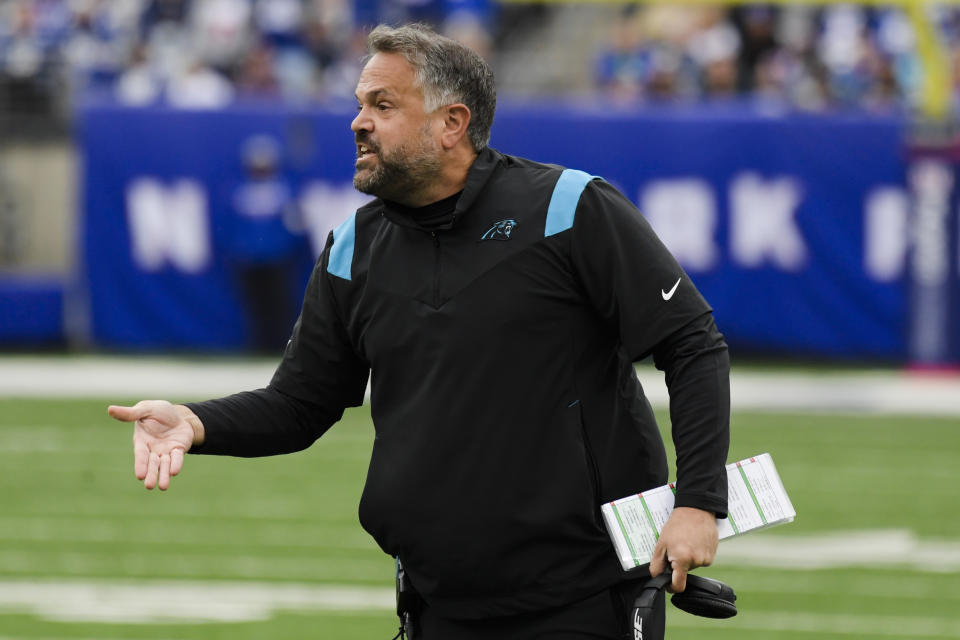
563 202
341 253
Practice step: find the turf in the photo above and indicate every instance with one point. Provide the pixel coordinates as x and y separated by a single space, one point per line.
70 508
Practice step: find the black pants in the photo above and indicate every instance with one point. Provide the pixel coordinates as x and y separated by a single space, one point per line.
604 616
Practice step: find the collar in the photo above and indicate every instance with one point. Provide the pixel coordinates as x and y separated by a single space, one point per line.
480 172
432 216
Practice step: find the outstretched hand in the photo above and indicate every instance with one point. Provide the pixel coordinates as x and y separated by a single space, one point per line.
688 540
162 434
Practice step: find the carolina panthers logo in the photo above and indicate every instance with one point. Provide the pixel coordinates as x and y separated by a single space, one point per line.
500 230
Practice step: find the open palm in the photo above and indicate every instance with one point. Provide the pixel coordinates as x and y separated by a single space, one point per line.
161 437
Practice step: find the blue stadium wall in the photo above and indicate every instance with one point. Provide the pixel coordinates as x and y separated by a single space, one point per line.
795 227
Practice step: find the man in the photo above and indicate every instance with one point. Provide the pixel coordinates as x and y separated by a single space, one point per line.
500 304
262 243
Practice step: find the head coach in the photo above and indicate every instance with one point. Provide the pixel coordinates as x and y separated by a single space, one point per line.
497 305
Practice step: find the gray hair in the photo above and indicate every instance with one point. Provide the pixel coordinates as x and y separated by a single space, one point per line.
446 72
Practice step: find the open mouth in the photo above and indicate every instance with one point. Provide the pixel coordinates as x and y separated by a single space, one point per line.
364 151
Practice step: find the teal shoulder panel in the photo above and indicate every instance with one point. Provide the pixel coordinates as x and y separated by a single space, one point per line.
341 253
563 202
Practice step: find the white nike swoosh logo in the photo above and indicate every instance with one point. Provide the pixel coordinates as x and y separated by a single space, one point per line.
669 294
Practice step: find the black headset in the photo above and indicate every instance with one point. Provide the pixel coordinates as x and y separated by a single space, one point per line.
702 597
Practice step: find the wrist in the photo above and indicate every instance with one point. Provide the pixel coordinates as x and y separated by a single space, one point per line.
191 418
695 513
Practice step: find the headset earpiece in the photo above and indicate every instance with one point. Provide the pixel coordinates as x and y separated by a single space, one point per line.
707 598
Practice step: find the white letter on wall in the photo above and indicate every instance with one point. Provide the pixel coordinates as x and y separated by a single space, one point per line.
762 222
168 225
885 233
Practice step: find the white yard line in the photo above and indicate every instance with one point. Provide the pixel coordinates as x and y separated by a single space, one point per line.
860 393
868 392
141 377
870 548
156 601
177 601
817 624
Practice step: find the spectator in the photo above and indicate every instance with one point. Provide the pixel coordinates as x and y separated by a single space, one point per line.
468 29
139 84
339 79
167 40
303 50
716 48
169 12
221 32
624 67
756 26
94 50
669 74
199 86
279 22
257 77
283 29
24 67
261 247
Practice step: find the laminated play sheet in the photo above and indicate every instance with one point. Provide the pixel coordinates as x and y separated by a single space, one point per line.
756 500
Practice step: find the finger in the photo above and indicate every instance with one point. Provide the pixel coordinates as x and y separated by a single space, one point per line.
679 582
126 414
153 470
164 479
141 457
176 461
659 560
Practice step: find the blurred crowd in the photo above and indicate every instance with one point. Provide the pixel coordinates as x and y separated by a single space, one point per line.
207 53
202 53
805 56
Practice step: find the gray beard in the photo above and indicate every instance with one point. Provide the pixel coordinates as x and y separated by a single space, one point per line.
399 175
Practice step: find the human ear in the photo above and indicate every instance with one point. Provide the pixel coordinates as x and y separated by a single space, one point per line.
456 119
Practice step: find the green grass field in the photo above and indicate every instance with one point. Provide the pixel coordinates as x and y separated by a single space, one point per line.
72 512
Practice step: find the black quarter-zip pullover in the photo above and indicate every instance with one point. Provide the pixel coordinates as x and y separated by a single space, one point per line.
501 343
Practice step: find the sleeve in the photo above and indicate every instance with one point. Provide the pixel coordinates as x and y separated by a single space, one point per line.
644 296
320 375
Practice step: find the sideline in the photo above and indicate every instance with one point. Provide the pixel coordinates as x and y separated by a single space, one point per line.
861 392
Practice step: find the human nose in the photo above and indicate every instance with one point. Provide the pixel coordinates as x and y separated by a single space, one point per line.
362 122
